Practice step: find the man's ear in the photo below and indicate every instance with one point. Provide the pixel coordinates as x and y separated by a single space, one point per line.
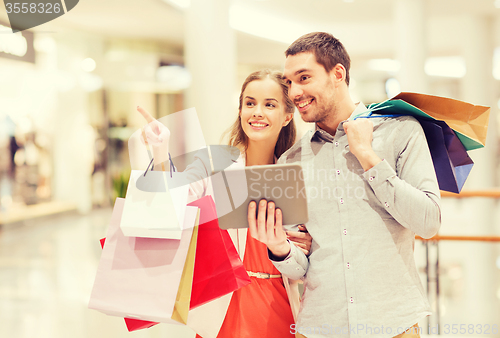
338 73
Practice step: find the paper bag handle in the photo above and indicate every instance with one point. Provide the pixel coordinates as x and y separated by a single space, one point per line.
172 166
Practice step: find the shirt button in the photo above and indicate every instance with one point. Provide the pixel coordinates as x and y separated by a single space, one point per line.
338 172
345 231
371 178
352 300
348 265
336 144
298 268
386 205
341 201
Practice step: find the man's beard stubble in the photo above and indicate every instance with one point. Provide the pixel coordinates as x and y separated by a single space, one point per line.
326 109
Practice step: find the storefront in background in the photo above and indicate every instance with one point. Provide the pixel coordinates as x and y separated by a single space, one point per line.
67 108
25 161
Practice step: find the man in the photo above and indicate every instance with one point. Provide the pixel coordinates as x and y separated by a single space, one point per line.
371 187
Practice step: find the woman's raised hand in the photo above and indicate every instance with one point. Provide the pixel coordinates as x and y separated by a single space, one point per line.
157 135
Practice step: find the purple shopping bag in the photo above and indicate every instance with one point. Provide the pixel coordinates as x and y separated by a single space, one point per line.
451 161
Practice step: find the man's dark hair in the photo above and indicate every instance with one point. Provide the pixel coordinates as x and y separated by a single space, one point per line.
327 49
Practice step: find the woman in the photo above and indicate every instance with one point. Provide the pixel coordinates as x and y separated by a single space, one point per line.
263 130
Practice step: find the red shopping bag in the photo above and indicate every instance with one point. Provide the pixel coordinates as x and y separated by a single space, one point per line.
218 269
137 324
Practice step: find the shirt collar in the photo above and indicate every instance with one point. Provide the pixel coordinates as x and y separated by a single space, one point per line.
321 134
360 110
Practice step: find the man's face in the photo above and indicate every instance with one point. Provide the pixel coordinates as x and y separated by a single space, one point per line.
311 88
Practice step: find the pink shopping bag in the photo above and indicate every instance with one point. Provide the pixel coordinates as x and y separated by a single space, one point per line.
133 324
138 278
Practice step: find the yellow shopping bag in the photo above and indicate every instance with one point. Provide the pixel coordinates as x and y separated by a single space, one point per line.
183 299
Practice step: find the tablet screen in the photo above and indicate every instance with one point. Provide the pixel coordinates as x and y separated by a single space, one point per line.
283 184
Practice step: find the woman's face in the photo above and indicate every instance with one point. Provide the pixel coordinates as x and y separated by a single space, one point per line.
263 111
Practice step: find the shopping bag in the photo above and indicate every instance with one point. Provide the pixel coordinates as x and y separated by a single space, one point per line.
151 208
451 161
137 324
133 273
218 269
183 299
181 308
446 122
470 122
133 324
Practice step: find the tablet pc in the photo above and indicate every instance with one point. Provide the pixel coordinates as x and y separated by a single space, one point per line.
235 188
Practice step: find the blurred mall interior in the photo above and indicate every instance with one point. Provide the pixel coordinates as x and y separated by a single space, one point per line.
68 96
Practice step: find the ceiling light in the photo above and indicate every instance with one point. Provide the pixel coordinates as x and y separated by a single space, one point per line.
384 65
90 82
182 4
13 43
249 20
175 77
88 65
448 66
45 44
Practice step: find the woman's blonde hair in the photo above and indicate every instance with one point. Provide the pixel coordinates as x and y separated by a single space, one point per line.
286 138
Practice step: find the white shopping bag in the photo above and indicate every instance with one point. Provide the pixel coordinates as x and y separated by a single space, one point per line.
152 209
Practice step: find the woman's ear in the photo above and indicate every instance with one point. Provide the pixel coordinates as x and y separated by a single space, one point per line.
288 118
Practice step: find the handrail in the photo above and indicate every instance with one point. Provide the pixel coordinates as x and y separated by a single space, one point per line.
434 278
460 238
434 241
492 193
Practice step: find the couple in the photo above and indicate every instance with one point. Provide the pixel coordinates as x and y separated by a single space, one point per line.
263 130
371 187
